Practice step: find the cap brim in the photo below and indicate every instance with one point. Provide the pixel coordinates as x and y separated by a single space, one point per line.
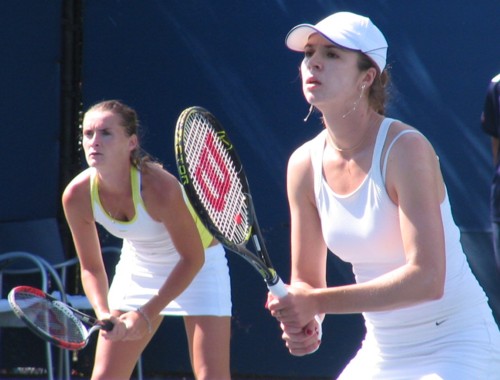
297 37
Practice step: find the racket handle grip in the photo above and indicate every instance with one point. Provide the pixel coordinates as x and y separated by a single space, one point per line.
106 325
278 289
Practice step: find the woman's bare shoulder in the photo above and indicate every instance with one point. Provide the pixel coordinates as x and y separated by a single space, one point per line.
302 154
78 186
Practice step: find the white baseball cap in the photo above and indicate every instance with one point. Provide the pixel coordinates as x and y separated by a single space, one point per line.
347 30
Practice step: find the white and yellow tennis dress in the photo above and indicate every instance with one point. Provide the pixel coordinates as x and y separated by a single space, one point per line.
148 256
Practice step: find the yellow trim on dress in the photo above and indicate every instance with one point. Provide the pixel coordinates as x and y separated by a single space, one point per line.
205 235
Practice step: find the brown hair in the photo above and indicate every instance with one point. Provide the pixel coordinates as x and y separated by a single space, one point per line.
379 90
131 125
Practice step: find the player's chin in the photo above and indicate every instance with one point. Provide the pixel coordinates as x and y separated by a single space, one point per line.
91 162
94 160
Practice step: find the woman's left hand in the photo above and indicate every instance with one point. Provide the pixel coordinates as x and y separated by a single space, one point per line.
136 325
302 341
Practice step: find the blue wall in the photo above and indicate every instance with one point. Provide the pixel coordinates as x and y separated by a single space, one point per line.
29 109
229 56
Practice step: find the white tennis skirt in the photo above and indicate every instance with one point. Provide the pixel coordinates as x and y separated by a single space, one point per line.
465 346
208 294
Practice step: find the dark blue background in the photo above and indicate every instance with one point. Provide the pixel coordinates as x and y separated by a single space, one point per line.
229 57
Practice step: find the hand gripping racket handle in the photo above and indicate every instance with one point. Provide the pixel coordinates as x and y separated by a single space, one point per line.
278 289
106 325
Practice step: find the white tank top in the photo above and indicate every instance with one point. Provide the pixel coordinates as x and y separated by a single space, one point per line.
146 242
363 228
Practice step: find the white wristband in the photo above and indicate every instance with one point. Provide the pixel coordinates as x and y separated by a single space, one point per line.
150 326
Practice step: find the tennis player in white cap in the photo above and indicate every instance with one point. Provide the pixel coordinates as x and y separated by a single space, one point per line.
370 189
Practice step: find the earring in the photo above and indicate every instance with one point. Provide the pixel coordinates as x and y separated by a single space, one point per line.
311 109
355 105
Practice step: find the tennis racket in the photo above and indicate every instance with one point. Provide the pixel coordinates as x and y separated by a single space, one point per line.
217 187
53 320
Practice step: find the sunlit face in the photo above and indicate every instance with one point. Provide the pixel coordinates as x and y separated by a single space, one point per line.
329 73
104 140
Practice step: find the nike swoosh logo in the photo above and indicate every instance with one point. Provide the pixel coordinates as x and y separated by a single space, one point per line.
438 323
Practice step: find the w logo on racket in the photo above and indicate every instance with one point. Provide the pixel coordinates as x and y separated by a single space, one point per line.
212 174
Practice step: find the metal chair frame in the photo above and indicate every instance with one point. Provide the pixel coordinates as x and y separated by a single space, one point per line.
47 272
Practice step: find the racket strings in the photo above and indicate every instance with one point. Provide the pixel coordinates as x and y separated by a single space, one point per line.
51 317
216 179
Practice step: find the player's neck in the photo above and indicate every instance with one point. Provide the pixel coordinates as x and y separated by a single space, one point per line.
114 182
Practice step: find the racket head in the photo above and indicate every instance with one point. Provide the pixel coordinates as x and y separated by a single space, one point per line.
48 318
213 176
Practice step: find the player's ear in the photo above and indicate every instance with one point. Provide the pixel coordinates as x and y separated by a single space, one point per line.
369 76
133 142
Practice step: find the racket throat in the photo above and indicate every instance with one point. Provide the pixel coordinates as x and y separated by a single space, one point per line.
256 244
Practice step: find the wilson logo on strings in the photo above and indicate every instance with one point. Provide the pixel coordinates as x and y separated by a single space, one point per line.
212 174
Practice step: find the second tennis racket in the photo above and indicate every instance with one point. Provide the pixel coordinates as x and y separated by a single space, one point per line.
53 320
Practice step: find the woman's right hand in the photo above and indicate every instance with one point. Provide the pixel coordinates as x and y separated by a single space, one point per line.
119 330
302 341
